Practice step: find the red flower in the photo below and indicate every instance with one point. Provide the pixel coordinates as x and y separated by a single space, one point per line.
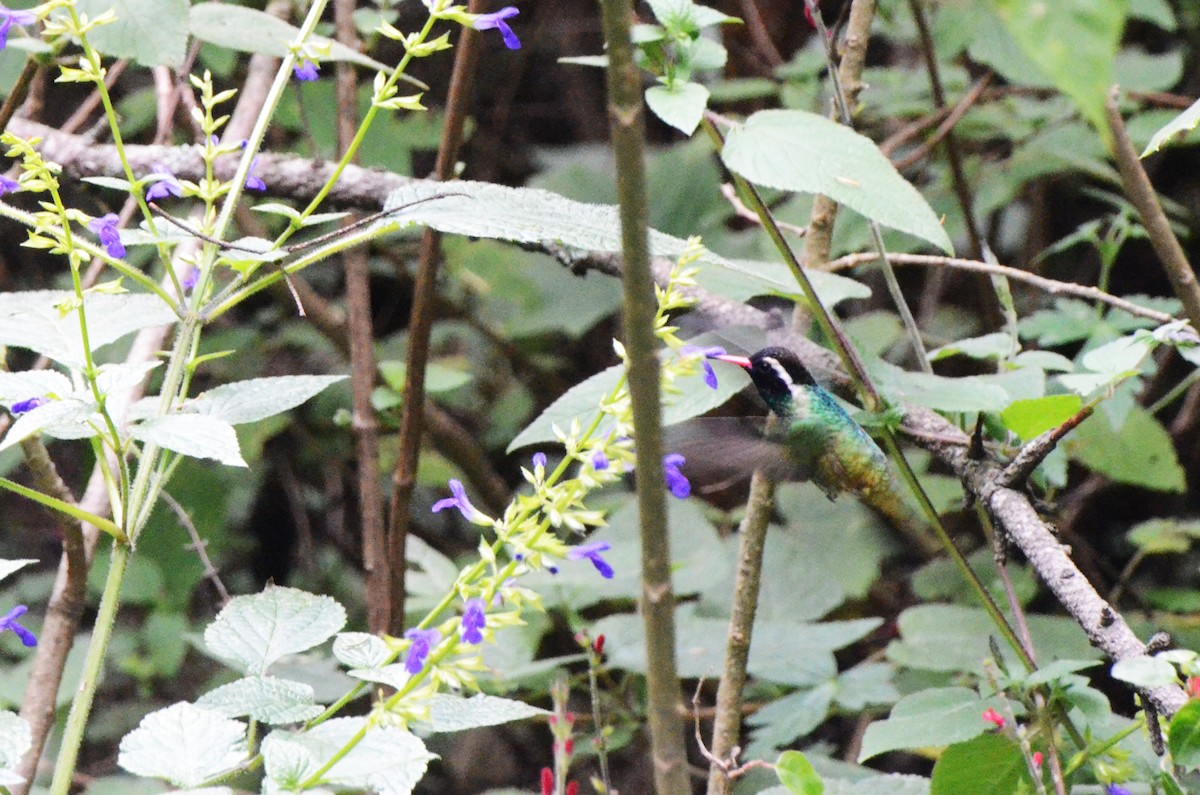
992 716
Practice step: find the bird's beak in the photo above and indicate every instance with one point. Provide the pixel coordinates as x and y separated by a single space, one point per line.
740 361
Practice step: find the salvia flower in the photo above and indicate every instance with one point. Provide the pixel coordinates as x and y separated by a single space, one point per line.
592 552
10 17
422 642
23 406
496 21
994 717
165 184
677 482
460 501
710 375
9 622
8 185
190 280
599 461
1116 789
306 70
105 228
474 619
539 460
253 181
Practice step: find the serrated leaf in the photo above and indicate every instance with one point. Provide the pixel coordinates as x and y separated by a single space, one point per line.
32 320
1145 672
388 760
1030 418
15 739
808 153
1140 452
63 419
449 713
193 435
27 384
797 775
360 650
151 32
1178 127
938 716
250 30
519 215
258 398
680 105
1184 736
267 699
184 744
991 764
251 632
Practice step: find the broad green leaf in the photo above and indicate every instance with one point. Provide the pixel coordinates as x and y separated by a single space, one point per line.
28 384
1163 536
969 393
250 30
448 713
258 398
1173 600
251 632
1030 418
360 650
1122 355
267 699
33 320
938 716
866 684
797 775
1178 127
991 764
388 760
1140 452
808 153
1157 11
62 419
1145 672
193 435
990 346
741 280
680 105
1184 736
184 744
15 739
783 721
892 784
151 32
439 378
1073 42
519 215
7 567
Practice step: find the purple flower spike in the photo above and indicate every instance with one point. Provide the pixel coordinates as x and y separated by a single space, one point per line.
307 70
592 552
166 184
8 185
496 21
539 460
460 501
677 482
105 228
474 619
599 461
253 181
710 376
23 406
422 642
10 17
1116 789
9 622
189 281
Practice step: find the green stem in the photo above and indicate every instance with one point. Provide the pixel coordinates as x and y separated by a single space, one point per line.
81 705
74 511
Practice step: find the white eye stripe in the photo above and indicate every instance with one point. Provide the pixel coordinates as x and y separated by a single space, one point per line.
779 370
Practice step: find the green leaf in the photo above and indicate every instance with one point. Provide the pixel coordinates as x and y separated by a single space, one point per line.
151 32
387 760
991 764
1184 736
990 346
866 684
109 182
808 153
1145 672
360 650
439 378
250 30
1073 42
15 740
448 713
796 773
680 105
1030 418
267 699
781 722
741 280
192 435
938 716
61 419
251 632
258 398
1173 600
1163 536
1140 452
1178 127
184 744
969 393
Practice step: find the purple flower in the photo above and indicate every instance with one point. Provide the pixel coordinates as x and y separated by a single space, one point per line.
189 281
165 184
9 622
105 228
1116 789
422 642
496 20
8 185
677 482
10 17
253 181
460 501
710 376
22 406
539 460
599 460
474 618
592 552
306 70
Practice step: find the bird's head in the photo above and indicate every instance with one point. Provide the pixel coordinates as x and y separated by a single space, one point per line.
774 371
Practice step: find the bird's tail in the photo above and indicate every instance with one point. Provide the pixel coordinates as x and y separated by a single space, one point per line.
889 500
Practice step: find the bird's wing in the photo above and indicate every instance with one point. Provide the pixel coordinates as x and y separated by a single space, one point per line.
721 451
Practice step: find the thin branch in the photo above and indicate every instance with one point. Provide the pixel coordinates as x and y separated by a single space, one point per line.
198 545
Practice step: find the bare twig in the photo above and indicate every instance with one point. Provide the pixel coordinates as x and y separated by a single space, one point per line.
199 545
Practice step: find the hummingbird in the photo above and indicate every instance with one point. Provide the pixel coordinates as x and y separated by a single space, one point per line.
819 440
